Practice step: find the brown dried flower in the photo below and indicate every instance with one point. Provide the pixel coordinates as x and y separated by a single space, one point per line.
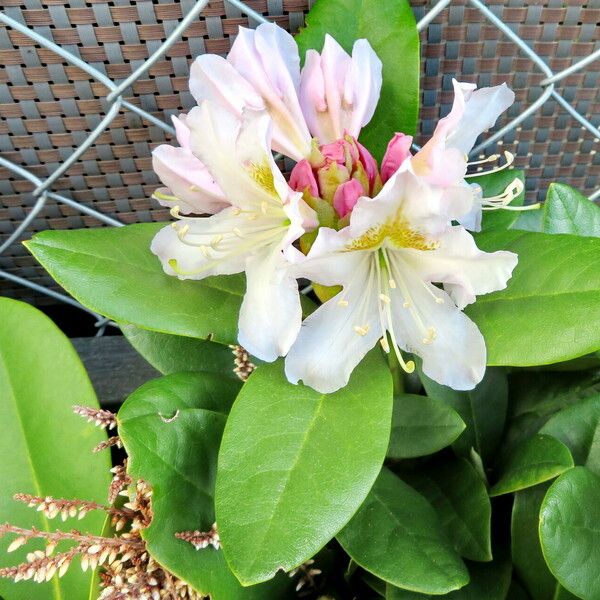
243 365
100 417
201 539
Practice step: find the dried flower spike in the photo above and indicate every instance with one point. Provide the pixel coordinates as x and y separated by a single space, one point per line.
100 417
201 539
120 481
115 440
243 365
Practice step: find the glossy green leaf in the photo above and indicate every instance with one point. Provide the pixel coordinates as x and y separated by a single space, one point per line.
175 353
569 531
492 185
421 426
567 210
550 311
459 496
396 535
295 465
171 428
527 556
46 449
540 458
482 409
535 397
390 27
112 271
578 427
489 581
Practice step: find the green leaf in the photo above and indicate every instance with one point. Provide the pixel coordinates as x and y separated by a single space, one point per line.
459 496
295 465
171 428
112 271
569 531
490 581
175 354
492 185
527 556
567 210
550 311
538 459
396 535
535 397
578 427
390 27
529 220
482 409
46 449
421 426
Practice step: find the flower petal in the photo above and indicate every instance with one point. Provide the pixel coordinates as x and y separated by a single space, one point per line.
398 150
271 314
346 196
339 93
465 271
267 57
450 344
217 245
237 153
188 180
328 347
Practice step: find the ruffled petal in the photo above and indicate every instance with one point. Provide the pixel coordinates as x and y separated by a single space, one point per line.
267 57
465 271
335 338
339 93
217 245
188 180
271 314
450 344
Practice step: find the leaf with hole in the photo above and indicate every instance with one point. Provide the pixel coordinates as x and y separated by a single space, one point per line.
295 465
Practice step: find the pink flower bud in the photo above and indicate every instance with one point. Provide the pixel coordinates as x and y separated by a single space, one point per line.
343 152
346 196
397 152
369 163
302 178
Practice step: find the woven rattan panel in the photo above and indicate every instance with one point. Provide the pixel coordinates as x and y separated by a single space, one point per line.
48 107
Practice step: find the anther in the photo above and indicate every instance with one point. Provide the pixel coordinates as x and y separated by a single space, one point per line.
194 188
392 284
174 225
384 298
439 300
342 303
183 232
406 304
216 240
384 344
175 211
263 207
204 251
362 330
237 232
236 211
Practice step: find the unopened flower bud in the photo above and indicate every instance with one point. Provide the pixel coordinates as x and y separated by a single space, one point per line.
397 152
346 196
302 178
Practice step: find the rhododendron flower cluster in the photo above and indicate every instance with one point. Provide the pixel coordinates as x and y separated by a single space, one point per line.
394 238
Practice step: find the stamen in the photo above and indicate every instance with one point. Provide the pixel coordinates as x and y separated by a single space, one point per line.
236 211
392 284
204 250
174 225
406 304
508 156
183 232
237 232
385 345
174 211
194 188
167 197
512 191
362 330
215 241
342 303
384 298
263 207
252 217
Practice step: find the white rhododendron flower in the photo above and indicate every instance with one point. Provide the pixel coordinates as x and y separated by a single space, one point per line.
333 95
395 248
265 217
394 238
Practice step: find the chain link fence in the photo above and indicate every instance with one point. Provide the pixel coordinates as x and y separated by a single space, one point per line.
92 85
